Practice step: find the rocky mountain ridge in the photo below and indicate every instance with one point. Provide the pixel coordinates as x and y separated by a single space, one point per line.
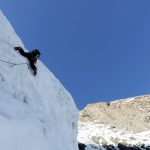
119 125
132 114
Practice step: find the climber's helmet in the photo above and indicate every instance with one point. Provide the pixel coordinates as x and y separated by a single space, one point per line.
36 52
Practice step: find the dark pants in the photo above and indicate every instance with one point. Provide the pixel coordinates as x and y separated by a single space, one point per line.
31 62
34 68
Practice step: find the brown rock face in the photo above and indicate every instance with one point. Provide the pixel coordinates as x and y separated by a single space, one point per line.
132 114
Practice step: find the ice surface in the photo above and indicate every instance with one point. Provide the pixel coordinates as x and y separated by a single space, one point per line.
36 113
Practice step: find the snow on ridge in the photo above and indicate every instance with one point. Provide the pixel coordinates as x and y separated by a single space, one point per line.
140 107
124 100
36 113
103 134
130 99
108 125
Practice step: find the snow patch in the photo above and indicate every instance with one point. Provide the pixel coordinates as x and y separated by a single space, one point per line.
97 133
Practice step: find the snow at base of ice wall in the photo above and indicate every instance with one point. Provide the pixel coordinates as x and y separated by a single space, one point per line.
36 113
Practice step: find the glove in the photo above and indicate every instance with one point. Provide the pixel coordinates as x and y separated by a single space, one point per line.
18 48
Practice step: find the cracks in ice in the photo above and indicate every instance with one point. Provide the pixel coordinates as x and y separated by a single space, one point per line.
2 78
43 126
20 96
5 115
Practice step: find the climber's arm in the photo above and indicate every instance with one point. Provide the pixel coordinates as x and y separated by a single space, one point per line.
21 51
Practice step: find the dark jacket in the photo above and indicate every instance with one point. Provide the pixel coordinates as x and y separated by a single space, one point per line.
31 56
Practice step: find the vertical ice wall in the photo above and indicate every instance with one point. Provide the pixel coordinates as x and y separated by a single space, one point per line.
36 113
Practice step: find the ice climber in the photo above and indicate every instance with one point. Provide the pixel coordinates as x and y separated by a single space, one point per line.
31 56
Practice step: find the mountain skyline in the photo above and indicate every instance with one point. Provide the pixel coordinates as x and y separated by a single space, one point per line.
98 49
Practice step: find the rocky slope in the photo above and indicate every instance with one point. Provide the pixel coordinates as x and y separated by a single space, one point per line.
123 114
123 124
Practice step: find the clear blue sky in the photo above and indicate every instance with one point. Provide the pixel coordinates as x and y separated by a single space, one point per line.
98 49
